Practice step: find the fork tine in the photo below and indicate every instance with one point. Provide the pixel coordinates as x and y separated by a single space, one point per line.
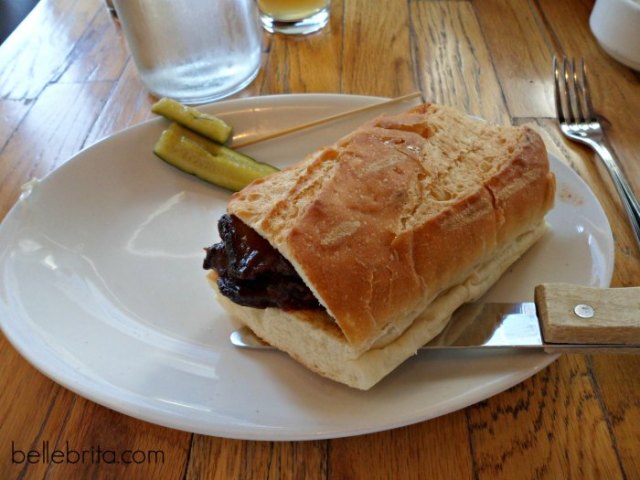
581 92
578 93
570 92
557 90
589 115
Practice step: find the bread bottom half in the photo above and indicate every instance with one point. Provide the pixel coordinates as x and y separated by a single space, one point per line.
313 338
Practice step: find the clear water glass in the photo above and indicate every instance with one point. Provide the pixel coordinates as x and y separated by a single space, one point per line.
194 51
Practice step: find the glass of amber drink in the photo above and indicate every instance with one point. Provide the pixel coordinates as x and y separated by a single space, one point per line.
297 17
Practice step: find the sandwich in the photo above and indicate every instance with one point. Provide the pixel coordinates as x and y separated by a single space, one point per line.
353 258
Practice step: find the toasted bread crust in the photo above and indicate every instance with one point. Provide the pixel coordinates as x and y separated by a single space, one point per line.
398 211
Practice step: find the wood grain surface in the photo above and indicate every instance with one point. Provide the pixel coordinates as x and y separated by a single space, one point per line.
67 81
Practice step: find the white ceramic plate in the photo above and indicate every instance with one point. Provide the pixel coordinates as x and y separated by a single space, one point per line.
102 290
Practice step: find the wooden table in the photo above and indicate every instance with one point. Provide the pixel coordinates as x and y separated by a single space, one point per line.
66 81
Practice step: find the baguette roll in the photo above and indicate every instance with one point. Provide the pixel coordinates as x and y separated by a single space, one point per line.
392 228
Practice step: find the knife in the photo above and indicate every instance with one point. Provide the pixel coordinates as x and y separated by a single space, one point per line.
562 318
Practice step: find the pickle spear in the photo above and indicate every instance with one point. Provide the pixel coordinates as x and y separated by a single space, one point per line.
216 149
192 118
207 160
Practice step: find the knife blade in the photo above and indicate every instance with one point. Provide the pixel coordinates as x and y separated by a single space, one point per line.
563 318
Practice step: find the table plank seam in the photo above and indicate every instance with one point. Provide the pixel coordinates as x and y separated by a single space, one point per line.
496 73
556 47
43 424
472 450
606 414
62 430
187 468
88 139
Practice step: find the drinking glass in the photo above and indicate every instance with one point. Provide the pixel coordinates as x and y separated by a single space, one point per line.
194 51
294 16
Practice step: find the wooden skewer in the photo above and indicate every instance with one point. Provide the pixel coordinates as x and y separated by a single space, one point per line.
320 121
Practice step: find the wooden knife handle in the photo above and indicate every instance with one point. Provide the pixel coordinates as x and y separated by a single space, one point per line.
570 314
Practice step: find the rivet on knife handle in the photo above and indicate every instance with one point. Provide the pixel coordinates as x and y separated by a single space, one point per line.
570 314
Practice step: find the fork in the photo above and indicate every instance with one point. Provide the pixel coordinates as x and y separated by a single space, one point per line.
578 122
